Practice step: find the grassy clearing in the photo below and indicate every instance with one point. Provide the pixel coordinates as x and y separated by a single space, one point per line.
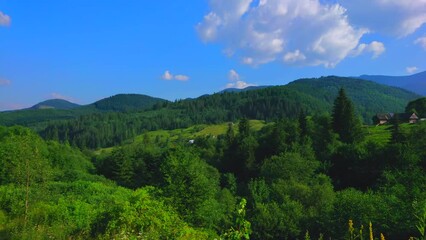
188 133
382 133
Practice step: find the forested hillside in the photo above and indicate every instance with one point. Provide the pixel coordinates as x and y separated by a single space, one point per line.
41 114
308 177
55 104
311 96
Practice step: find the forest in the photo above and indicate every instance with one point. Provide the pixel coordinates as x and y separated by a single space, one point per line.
304 175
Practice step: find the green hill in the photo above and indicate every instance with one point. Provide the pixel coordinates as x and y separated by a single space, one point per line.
126 102
55 104
41 114
369 98
312 96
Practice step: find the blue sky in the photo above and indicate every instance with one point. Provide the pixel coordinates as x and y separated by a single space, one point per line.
85 50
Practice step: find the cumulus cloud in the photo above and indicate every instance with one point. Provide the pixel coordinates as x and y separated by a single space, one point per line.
233 75
168 76
4 82
239 85
421 41
292 57
236 82
5 20
411 70
303 32
377 48
394 17
181 77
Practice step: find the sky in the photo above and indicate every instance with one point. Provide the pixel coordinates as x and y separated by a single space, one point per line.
86 50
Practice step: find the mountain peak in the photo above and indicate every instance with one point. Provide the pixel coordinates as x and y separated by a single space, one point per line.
55 104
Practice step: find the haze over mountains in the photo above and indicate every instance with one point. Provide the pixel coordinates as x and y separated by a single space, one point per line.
415 83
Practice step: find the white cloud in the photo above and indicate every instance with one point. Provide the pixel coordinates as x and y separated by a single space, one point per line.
5 20
4 82
377 48
293 57
181 77
421 41
394 17
168 76
233 75
306 32
411 70
236 82
239 85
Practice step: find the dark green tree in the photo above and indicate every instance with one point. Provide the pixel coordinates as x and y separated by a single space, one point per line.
397 136
303 125
344 121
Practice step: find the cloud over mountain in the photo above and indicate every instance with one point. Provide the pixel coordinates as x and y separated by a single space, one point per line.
236 82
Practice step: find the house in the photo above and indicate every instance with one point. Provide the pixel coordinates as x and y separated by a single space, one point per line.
383 118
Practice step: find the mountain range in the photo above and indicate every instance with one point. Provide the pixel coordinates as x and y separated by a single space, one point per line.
126 115
415 83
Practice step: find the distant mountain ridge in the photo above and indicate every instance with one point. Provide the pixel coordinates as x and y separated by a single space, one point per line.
244 89
126 102
312 96
58 109
309 96
55 104
415 83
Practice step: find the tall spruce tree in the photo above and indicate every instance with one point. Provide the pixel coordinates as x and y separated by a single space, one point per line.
344 121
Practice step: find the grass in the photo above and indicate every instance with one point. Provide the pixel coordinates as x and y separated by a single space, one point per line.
188 133
382 133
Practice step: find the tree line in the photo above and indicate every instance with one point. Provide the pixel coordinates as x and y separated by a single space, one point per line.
297 175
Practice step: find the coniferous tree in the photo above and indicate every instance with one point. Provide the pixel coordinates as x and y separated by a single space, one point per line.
344 121
396 136
303 124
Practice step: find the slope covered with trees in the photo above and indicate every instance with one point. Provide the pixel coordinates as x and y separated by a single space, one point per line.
311 96
418 106
41 114
55 104
295 178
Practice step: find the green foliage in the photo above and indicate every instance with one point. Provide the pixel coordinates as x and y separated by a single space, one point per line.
192 187
420 209
242 229
176 189
418 106
22 157
99 124
344 121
